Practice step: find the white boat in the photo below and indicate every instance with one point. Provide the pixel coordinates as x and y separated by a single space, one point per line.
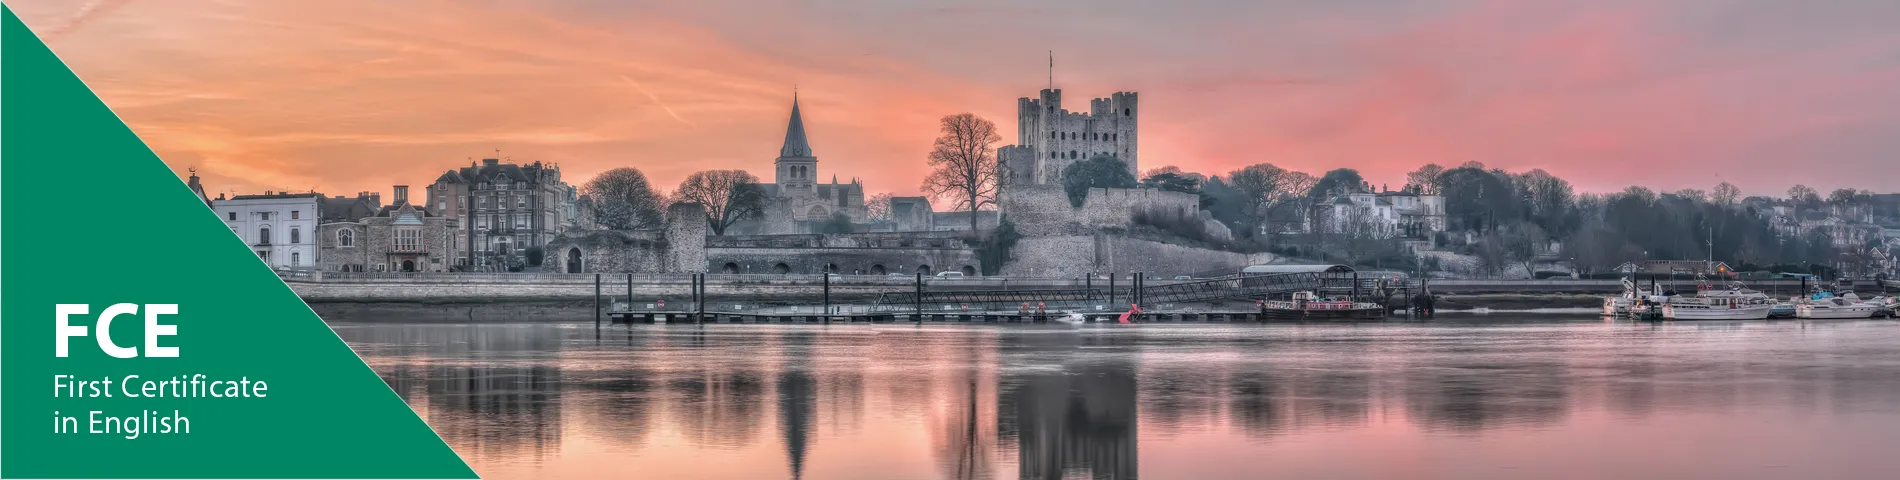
1619 305
1844 306
1735 303
1072 319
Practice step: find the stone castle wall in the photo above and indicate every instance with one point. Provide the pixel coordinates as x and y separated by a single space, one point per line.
1045 209
852 253
678 246
1077 255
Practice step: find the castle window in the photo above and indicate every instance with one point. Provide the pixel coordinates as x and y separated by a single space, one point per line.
1072 154
1127 112
1052 154
345 238
1052 135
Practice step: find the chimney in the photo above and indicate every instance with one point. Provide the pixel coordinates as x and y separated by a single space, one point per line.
268 193
376 198
402 194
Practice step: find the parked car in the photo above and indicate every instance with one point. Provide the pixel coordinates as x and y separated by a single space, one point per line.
1183 277
949 274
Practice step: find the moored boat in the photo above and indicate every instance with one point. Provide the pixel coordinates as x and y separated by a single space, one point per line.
1309 306
1735 303
1826 306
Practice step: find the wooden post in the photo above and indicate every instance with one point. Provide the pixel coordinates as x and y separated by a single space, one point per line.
827 296
629 291
1088 287
596 305
919 299
1111 288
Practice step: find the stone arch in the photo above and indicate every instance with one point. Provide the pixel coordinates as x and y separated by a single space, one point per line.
878 269
573 260
729 268
781 269
969 271
817 212
923 269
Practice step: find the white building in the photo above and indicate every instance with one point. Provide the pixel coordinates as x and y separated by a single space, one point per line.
1384 214
281 228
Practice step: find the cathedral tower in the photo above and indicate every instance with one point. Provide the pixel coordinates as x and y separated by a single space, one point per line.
797 167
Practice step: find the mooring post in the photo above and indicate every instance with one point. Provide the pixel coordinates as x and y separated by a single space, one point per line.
1111 288
1355 286
919 299
1088 287
596 305
827 297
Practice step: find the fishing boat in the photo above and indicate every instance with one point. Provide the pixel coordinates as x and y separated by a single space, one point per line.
1310 306
1825 306
1737 302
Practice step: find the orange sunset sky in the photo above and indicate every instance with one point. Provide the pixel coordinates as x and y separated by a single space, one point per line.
351 95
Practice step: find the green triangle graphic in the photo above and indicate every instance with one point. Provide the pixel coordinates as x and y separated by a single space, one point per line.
93 217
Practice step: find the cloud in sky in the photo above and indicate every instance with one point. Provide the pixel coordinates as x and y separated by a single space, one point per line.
356 95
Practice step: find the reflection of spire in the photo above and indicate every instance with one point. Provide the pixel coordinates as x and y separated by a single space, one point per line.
797 398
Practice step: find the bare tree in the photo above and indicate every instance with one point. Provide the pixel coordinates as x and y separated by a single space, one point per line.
1424 180
963 160
623 199
1725 194
1804 195
728 195
1259 186
878 207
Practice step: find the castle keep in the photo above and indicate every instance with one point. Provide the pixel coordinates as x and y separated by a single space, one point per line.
1049 137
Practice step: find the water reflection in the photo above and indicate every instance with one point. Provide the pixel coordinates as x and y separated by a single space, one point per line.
551 401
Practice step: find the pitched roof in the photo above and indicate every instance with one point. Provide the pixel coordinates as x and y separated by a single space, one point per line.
795 143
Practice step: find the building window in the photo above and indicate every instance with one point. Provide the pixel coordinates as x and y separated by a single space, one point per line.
1052 154
296 234
233 216
1052 135
295 214
408 240
296 259
264 216
442 206
521 220
264 255
346 238
263 235
1128 112
461 201
521 201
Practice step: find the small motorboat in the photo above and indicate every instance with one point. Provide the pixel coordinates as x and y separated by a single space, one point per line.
1072 319
1845 306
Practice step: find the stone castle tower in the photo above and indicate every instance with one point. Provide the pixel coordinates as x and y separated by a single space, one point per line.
1050 137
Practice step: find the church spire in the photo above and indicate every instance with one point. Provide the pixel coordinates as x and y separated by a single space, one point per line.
795 143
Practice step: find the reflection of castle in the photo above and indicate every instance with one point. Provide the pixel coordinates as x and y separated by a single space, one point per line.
1073 421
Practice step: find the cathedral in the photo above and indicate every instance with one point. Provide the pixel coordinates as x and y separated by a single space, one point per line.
797 202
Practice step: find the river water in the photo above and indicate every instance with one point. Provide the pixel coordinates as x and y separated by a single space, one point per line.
1477 397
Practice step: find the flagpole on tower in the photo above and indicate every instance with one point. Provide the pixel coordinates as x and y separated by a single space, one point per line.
1052 70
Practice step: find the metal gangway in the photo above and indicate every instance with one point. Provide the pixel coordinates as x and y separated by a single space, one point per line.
1230 287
